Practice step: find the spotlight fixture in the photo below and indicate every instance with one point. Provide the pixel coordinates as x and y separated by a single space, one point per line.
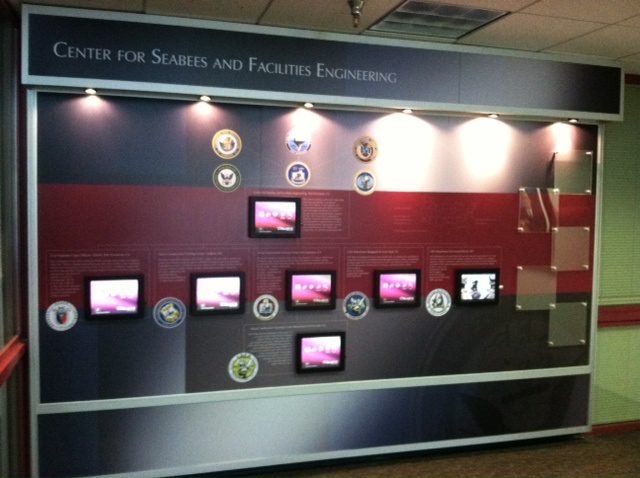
494 115
90 91
573 120
205 98
356 11
308 105
407 111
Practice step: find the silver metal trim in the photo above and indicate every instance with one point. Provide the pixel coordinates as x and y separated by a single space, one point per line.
295 390
595 287
300 459
32 265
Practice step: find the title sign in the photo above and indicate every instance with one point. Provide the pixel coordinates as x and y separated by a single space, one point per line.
139 52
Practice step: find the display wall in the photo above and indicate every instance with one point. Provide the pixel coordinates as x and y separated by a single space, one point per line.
160 191
238 284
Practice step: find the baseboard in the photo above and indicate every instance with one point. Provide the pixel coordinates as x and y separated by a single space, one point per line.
621 427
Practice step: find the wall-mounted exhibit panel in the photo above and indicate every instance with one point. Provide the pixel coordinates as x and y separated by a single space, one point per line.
190 247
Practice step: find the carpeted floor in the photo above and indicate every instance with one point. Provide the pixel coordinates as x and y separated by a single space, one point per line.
615 455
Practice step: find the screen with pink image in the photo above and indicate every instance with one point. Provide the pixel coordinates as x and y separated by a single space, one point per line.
218 293
275 216
397 288
114 296
312 289
317 352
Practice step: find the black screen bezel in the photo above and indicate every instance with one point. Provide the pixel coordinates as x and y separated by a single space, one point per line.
459 286
138 314
298 351
193 306
377 300
289 305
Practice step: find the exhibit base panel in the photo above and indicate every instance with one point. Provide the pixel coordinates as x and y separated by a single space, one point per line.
257 432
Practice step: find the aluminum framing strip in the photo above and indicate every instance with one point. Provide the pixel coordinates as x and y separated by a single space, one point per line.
300 97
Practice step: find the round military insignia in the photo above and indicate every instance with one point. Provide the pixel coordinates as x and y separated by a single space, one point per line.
169 312
298 141
298 174
365 149
438 302
364 183
243 367
356 305
61 316
265 307
226 144
227 178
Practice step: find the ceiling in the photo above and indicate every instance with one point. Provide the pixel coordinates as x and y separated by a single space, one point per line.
597 29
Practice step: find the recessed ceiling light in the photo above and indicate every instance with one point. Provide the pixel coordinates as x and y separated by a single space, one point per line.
90 91
407 111
205 98
573 120
308 105
494 115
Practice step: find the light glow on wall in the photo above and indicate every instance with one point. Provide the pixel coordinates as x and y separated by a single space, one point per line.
405 149
485 146
563 135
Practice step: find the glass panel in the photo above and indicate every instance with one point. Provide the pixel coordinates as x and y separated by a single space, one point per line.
568 324
536 288
538 209
572 171
570 248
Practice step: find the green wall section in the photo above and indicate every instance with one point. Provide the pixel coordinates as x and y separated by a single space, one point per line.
620 264
617 376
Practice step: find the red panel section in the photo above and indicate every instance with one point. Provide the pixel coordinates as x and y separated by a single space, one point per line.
10 356
618 315
140 219
623 427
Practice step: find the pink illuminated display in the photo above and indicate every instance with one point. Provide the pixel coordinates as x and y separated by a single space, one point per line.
397 288
311 289
275 216
117 296
215 293
320 352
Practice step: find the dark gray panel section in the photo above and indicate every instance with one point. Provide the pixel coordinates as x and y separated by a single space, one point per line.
231 435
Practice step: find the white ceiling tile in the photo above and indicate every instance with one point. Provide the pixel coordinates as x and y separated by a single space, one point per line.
327 15
117 5
603 11
528 32
631 22
611 42
245 11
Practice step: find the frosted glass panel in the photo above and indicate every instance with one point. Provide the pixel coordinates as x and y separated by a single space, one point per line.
538 210
568 324
572 171
536 288
570 248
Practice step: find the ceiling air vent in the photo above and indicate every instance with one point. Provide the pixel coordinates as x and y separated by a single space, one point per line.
434 20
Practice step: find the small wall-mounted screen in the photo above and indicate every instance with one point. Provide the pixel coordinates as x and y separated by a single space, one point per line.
274 217
477 286
399 288
311 290
323 352
116 297
217 293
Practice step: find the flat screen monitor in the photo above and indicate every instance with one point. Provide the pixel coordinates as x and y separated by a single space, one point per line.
397 288
477 286
320 352
274 217
311 290
114 297
217 293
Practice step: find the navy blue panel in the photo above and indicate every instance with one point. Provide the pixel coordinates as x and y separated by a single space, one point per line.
58 48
